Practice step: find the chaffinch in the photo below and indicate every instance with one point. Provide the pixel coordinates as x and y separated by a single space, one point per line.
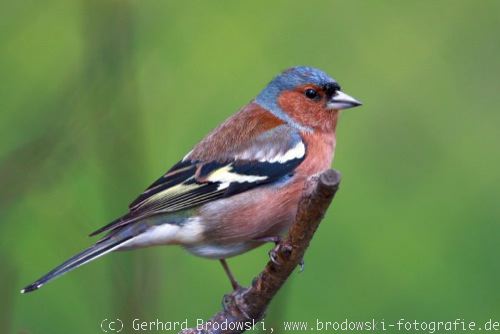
240 186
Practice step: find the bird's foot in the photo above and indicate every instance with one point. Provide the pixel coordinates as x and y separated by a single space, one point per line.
279 248
273 253
233 300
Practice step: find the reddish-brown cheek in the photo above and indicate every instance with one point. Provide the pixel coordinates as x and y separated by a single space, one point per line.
307 112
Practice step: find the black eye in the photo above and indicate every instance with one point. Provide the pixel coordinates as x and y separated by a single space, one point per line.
311 93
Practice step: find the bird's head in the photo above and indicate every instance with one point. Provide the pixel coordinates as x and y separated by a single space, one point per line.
305 97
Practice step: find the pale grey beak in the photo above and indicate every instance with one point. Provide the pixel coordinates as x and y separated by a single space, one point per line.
342 101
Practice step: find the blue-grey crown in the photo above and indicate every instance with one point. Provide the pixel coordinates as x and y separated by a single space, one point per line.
287 80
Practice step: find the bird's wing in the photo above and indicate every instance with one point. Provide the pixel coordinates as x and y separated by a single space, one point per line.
264 159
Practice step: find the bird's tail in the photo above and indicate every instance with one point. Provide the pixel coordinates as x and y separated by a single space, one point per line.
99 249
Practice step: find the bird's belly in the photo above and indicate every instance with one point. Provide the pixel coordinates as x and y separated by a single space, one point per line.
261 213
221 251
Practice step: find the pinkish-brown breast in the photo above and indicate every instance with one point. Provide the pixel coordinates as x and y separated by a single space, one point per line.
320 152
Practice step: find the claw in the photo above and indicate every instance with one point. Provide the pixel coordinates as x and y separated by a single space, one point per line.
273 255
226 301
301 265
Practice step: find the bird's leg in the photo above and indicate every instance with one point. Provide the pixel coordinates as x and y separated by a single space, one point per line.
229 274
226 301
276 239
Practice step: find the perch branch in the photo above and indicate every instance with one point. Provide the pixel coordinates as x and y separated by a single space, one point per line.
245 305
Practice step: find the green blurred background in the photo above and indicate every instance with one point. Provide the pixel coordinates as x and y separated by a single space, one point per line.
99 98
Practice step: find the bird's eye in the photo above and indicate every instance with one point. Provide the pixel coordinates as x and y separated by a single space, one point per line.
311 93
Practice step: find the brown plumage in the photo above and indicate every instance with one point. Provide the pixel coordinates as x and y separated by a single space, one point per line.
237 132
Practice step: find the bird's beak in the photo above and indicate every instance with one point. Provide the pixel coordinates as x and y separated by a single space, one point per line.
342 101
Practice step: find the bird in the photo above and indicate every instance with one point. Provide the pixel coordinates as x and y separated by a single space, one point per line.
240 186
